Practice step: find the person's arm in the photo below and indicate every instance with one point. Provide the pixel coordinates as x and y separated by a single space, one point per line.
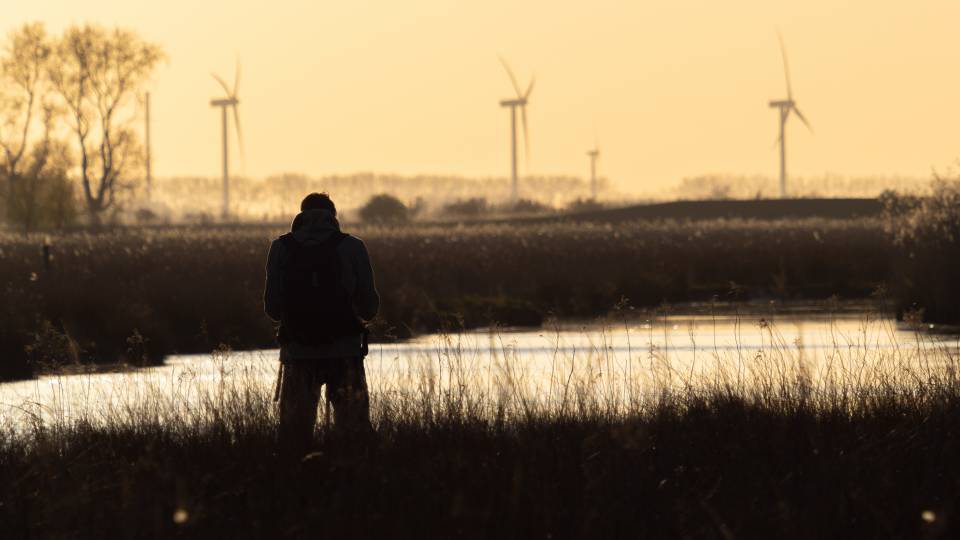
366 300
272 290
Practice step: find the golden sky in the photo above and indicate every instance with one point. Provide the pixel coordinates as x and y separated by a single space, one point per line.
675 88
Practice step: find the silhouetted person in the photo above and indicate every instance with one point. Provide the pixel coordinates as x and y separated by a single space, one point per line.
320 289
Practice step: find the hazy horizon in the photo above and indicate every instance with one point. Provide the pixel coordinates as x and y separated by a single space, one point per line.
674 90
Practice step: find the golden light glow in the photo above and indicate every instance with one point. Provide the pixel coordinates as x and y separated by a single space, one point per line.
674 88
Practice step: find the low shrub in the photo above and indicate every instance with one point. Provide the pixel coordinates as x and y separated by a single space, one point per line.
475 207
926 236
384 209
584 205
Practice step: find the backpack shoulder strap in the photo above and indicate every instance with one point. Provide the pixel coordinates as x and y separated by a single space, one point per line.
335 239
290 245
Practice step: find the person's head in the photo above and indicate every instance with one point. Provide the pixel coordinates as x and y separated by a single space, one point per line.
318 201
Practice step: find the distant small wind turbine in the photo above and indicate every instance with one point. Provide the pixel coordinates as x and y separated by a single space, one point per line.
594 155
786 106
229 102
520 101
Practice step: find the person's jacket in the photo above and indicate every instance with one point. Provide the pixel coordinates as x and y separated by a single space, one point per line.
309 228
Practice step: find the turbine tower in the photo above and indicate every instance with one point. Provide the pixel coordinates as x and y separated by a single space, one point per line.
785 107
229 102
520 101
594 154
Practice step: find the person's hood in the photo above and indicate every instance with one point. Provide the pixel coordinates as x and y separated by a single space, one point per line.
314 226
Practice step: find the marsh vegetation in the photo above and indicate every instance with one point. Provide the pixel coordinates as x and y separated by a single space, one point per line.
137 295
613 443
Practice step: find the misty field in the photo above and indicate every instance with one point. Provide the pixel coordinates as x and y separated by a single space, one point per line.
137 295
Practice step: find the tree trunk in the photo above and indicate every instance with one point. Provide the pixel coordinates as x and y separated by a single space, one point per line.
95 221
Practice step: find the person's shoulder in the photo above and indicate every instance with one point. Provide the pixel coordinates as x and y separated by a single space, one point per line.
278 242
285 237
351 239
352 243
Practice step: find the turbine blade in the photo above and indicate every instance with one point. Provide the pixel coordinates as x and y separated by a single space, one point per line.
513 79
802 118
526 138
776 142
236 79
530 87
786 65
223 84
236 125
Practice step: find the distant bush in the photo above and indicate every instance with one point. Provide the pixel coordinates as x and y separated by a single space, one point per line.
898 204
145 215
584 205
40 200
384 209
525 206
926 233
198 218
472 208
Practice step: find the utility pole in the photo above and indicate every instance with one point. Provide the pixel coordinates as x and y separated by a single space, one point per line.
147 141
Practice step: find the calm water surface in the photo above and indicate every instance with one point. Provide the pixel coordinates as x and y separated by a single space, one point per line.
614 363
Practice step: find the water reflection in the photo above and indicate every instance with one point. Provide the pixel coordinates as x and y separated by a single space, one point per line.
616 365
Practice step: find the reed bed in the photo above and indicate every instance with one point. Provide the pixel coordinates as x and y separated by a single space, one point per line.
137 295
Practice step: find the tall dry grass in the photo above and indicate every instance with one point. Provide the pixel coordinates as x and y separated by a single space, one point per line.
773 448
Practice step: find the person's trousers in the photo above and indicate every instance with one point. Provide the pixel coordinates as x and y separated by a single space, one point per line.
346 392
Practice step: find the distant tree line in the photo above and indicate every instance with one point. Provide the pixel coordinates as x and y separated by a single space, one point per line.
67 105
385 209
725 186
198 199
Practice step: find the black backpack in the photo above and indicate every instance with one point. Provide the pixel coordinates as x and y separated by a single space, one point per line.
317 309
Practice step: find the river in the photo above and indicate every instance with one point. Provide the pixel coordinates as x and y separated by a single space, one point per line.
613 364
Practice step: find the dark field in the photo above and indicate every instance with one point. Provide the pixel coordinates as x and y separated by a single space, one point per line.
136 296
760 209
790 464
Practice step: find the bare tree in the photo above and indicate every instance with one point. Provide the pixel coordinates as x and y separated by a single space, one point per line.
42 193
22 94
99 73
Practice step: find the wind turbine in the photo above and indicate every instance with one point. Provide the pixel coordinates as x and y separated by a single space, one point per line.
520 101
229 102
594 154
786 106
